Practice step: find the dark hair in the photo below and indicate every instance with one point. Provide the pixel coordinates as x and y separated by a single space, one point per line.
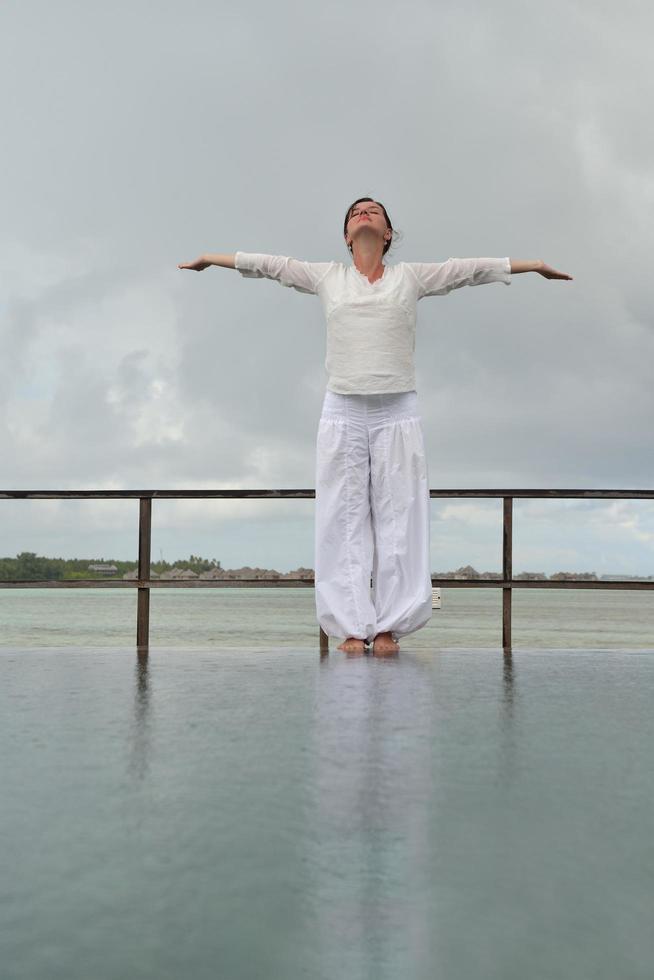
387 244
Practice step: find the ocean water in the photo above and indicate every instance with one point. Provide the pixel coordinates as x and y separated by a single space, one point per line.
274 814
253 618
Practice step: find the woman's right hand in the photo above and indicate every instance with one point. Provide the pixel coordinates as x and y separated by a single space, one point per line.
197 266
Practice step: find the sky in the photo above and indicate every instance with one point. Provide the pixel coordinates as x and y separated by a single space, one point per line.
137 136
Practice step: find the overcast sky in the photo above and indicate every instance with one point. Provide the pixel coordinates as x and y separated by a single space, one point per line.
137 135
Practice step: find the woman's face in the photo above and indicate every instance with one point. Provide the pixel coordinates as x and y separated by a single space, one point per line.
365 218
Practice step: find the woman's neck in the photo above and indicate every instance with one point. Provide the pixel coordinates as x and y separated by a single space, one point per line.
368 261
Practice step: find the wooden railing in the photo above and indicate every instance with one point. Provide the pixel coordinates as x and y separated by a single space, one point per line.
144 583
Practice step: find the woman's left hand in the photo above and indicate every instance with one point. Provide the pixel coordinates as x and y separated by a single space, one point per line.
550 273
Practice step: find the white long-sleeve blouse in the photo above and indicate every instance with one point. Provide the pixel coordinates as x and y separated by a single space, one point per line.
371 327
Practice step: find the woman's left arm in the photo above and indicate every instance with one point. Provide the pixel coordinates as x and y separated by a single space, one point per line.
537 265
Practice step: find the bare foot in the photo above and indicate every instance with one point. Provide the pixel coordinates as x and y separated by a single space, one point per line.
384 643
352 645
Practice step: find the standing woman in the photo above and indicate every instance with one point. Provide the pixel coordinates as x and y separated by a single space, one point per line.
372 485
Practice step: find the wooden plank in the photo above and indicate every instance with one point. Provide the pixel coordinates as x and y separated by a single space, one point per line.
143 619
507 570
284 494
143 604
255 583
151 494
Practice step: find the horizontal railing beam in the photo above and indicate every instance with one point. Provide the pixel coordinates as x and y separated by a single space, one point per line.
548 494
154 494
448 583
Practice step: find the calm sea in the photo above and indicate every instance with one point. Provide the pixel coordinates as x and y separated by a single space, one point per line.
542 619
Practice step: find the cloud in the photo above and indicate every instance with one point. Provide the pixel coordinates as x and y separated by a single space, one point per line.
136 142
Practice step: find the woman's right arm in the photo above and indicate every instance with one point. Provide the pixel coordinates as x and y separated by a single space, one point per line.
227 261
303 276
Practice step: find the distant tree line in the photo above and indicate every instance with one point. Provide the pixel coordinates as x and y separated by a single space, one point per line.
30 567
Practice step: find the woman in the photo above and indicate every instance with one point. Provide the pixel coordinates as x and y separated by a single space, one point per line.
372 486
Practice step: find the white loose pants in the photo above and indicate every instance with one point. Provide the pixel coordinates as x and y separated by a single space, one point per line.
372 516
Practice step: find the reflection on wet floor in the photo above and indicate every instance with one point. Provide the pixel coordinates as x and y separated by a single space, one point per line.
281 813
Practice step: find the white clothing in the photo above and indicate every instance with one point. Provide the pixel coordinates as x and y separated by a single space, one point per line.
371 327
372 516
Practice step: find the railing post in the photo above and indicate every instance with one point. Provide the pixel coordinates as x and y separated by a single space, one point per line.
507 571
143 604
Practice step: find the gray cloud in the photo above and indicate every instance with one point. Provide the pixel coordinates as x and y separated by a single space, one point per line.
136 141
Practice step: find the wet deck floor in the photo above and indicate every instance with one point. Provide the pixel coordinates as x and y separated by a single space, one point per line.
274 814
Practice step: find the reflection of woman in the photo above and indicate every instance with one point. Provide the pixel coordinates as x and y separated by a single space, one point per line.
372 487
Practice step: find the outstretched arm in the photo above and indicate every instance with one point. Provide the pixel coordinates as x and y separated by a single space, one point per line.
227 261
537 265
438 278
294 273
